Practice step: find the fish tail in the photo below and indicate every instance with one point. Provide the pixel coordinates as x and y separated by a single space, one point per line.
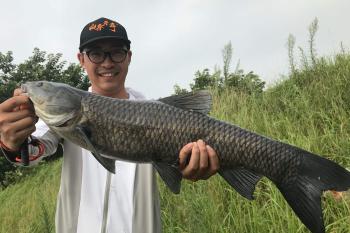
315 175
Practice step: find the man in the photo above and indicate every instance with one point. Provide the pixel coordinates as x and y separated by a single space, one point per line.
90 198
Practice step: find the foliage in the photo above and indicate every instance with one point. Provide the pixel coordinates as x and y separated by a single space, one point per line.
29 205
224 79
290 46
250 82
6 170
203 80
39 66
312 32
306 62
178 90
310 110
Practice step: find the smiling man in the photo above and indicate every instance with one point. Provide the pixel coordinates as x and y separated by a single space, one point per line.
90 198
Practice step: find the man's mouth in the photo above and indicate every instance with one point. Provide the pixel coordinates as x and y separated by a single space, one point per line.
109 74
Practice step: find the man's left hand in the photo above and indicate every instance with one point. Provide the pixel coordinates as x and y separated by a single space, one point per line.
203 161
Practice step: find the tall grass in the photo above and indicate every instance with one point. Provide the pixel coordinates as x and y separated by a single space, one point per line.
29 206
311 110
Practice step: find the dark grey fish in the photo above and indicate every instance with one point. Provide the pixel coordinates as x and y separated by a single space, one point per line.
155 131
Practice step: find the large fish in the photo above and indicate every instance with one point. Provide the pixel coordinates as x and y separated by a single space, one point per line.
155 131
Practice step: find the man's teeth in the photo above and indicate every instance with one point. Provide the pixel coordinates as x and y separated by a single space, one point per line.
107 75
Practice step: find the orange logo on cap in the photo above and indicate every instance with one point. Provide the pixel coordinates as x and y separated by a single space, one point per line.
112 26
99 27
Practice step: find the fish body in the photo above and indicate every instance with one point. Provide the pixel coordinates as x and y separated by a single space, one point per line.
149 131
155 131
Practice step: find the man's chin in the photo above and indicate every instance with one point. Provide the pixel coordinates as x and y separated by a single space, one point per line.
107 78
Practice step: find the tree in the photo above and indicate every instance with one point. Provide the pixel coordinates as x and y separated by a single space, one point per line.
249 83
39 66
178 90
203 80
6 66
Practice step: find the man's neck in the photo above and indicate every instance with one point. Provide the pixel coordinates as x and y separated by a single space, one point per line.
120 94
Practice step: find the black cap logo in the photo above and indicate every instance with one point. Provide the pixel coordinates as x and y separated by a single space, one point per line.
106 25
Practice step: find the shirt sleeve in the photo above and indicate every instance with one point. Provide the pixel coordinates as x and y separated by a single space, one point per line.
47 143
42 143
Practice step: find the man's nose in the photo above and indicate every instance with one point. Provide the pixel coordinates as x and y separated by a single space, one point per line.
108 61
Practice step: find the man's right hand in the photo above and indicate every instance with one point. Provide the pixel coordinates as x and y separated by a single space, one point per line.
17 120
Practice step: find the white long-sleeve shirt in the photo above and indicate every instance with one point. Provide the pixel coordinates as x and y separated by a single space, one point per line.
92 200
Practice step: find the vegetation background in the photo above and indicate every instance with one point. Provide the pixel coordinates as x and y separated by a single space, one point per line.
309 108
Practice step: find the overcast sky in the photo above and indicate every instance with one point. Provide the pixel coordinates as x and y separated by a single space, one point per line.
171 40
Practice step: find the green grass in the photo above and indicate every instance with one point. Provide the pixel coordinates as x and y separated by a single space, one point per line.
29 206
311 110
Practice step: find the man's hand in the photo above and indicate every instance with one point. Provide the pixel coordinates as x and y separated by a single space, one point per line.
203 163
17 120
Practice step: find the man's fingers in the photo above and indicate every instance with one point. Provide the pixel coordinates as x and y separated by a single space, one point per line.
203 158
17 120
193 166
214 164
10 104
25 123
24 133
17 92
184 154
18 138
8 132
13 134
16 116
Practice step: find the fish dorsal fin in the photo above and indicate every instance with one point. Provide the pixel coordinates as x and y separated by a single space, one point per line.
170 175
199 101
109 164
242 180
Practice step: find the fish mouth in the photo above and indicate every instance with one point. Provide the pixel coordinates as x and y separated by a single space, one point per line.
24 88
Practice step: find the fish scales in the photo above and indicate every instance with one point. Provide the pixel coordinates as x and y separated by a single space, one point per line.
138 130
155 131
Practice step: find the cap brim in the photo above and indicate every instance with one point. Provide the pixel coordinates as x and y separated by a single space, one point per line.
127 42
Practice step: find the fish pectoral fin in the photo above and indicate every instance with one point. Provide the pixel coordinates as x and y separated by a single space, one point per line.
242 180
170 175
109 164
199 101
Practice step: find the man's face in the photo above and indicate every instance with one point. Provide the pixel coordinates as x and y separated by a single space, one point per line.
107 76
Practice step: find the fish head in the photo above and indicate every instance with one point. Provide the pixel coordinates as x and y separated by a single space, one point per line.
55 103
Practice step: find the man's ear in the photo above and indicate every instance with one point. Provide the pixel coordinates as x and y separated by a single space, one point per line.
80 57
129 56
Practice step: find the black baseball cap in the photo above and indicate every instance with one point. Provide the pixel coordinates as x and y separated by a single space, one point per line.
103 28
